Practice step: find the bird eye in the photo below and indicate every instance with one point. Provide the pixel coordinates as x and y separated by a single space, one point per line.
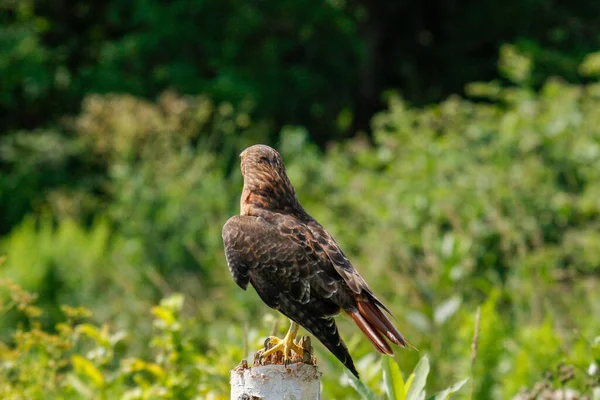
265 159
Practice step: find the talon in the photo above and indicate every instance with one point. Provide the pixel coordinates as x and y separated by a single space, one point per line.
267 343
285 346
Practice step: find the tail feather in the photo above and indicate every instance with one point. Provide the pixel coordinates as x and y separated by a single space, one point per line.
372 333
379 320
375 325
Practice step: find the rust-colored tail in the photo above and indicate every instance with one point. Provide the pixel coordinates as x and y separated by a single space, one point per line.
375 325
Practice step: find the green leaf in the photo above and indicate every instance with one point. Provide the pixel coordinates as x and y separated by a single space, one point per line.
362 389
392 377
408 383
416 390
445 394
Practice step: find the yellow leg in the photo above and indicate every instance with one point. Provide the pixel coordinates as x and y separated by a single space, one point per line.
285 345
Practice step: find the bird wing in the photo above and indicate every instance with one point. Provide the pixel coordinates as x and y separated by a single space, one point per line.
338 259
290 273
365 309
342 265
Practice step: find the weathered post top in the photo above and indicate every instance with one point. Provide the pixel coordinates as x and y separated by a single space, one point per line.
270 379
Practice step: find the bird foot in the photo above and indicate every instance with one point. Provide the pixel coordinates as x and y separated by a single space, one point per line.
285 346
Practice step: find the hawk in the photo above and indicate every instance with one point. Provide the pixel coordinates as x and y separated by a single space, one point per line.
295 266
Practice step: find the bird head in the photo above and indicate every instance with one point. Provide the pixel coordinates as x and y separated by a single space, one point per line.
265 177
259 160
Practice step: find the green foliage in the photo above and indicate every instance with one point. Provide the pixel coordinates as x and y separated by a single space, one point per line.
38 161
590 65
84 360
25 63
320 64
490 347
271 54
451 207
414 387
64 258
392 378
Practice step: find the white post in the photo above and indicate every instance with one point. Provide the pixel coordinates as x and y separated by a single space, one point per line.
269 379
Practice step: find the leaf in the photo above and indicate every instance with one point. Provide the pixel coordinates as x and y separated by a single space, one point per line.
392 377
446 310
362 389
444 394
417 387
408 383
88 369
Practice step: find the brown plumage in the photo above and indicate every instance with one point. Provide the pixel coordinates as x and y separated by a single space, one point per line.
294 264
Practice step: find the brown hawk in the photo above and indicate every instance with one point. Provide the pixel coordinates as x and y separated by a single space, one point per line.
295 265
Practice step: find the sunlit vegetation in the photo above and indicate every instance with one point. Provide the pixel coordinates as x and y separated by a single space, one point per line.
488 202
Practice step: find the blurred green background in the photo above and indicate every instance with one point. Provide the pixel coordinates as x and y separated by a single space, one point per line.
451 148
